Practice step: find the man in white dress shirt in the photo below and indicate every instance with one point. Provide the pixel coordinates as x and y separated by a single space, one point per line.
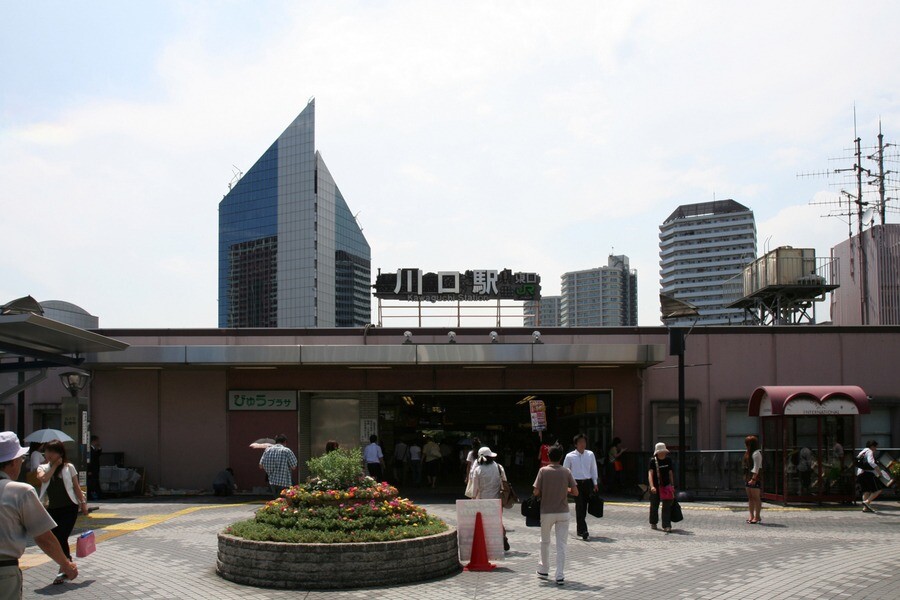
583 465
374 458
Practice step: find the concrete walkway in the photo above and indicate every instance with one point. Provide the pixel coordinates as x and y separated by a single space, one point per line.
167 549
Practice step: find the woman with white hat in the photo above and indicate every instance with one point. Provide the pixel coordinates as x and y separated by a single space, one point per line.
487 478
661 477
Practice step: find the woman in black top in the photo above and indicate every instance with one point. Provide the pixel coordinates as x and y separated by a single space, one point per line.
64 496
661 477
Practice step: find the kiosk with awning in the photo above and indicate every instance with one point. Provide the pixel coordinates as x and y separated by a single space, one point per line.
808 435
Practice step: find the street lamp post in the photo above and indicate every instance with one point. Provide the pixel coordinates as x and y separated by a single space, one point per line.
676 347
673 308
75 418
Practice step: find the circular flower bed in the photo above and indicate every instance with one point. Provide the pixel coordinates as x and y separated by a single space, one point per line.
338 506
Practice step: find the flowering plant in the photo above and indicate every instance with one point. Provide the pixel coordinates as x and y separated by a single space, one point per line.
338 504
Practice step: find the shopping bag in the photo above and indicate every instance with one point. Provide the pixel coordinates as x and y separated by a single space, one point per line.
507 495
470 487
676 516
531 510
667 492
86 544
595 506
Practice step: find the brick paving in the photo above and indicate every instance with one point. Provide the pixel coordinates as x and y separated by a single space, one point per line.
168 550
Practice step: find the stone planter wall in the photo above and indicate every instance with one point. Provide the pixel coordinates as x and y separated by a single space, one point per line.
330 566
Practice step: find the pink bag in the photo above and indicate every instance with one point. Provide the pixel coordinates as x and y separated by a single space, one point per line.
667 492
85 545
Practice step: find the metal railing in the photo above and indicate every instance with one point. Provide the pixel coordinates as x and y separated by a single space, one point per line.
709 473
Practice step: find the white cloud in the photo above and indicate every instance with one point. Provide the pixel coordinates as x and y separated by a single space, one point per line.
532 137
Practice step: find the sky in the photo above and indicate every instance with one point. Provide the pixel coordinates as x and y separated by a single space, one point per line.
538 137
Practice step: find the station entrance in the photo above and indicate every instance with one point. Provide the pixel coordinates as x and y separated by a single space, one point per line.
499 420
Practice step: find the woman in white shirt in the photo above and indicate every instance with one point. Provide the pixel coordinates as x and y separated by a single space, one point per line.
63 494
487 481
752 463
866 470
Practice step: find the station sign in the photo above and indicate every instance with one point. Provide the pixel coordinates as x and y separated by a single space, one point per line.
413 285
262 400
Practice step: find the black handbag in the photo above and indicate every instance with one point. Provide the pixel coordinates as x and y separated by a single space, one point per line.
531 510
595 506
675 515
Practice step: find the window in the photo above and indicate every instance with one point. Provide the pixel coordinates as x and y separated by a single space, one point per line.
738 426
665 425
876 426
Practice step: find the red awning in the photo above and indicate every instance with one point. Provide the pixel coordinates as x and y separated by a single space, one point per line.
808 400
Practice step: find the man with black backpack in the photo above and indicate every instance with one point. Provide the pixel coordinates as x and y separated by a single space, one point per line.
867 473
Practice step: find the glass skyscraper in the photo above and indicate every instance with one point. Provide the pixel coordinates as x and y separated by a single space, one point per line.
290 251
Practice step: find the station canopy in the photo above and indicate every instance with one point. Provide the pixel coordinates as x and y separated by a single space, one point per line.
801 400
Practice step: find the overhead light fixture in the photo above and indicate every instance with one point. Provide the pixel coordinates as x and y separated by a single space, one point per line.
74 381
408 400
526 399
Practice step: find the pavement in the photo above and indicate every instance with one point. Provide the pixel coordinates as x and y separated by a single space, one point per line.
167 549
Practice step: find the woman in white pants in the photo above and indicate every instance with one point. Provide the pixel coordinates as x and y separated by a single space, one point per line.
554 485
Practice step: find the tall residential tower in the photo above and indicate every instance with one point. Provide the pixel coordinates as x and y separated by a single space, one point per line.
600 297
290 251
701 246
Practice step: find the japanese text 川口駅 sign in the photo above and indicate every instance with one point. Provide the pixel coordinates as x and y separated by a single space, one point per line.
481 284
260 400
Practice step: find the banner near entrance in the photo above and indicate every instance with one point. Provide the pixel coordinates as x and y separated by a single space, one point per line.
538 415
259 400
492 521
413 285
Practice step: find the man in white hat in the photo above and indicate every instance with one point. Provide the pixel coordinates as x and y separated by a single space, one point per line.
21 516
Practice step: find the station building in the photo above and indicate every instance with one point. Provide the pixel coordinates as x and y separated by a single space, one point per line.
185 403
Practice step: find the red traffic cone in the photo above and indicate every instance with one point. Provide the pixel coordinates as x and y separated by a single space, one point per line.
479 559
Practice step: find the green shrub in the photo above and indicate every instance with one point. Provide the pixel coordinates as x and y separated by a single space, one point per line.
338 470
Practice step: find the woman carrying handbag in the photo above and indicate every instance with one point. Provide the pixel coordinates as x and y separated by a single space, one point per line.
62 495
661 478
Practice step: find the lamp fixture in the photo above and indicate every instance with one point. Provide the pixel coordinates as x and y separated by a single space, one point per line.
74 381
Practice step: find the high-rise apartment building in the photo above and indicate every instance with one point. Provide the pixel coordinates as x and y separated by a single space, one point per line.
542 313
869 276
600 297
290 251
701 246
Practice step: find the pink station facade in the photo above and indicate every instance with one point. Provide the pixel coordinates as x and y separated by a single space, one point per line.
183 404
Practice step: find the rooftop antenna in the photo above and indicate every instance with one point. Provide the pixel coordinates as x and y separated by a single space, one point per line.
868 176
236 175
